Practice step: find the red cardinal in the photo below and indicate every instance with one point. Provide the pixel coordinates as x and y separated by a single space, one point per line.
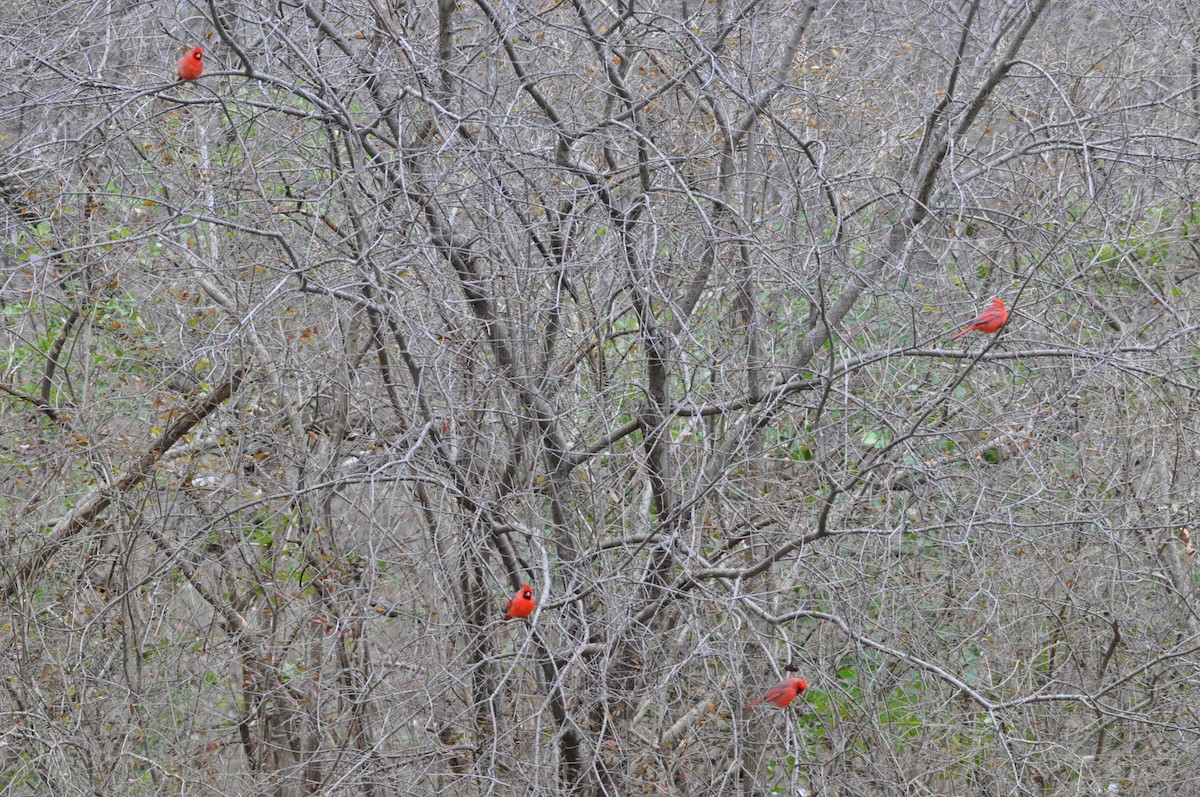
782 693
520 604
191 65
989 320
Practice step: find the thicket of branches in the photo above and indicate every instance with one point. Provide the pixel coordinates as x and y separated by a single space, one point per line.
312 363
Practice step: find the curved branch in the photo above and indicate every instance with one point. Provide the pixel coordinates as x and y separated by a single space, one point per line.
87 510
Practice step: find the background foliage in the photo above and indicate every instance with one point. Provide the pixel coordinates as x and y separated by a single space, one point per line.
308 365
